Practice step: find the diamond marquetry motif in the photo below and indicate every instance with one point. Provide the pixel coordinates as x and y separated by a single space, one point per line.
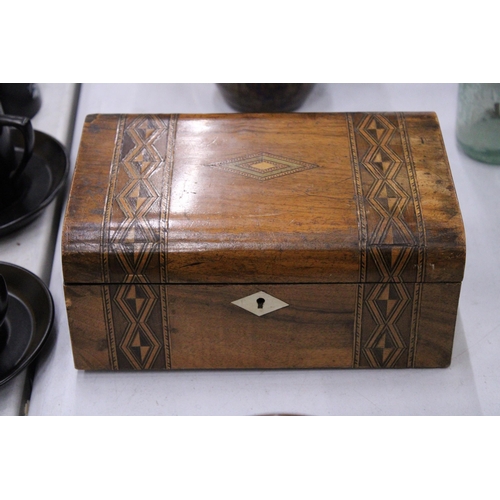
135 301
385 351
386 303
140 346
376 129
260 303
139 343
263 166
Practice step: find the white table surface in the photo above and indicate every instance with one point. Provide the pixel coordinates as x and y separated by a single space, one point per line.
470 386
32 247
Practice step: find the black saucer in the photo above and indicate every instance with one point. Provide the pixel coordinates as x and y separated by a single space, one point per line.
28 323
40 182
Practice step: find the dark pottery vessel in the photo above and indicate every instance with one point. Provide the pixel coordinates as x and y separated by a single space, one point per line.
265 97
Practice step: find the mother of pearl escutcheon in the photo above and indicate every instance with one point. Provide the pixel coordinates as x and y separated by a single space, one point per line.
260 303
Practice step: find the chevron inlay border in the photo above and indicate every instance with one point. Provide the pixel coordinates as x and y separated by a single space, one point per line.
134 235
392 241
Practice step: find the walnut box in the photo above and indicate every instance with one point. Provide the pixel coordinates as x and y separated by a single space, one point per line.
327 240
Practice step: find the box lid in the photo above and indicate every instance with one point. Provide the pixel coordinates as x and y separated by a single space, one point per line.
263 198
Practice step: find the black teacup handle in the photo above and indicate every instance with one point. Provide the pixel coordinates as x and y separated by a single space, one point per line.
4 299
23 124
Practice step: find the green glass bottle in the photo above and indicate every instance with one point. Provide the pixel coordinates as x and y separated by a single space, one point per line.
478 121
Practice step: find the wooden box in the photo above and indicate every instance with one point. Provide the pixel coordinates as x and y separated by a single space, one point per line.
262 241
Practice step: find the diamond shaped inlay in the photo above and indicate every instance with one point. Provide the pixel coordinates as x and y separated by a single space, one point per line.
263 166
385 348
140 346
135 301
260 303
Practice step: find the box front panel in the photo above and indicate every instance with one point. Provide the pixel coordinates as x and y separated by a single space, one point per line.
314 331
136 326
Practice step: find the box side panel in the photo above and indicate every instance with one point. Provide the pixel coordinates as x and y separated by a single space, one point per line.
436 329
82 225
87 327
314 331
444 229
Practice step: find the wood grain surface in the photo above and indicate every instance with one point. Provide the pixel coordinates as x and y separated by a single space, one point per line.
203 330
353 218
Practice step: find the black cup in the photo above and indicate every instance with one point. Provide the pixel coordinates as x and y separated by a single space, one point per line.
20 99
12 161
265 97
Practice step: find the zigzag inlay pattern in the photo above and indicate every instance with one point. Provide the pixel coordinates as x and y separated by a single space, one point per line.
134 233
386 302
134 242
392 244
384 177
139 343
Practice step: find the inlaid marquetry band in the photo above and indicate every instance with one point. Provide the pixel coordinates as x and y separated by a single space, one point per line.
134 236
392 241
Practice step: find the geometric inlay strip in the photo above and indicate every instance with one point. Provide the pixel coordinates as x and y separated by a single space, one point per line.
133 242
391 241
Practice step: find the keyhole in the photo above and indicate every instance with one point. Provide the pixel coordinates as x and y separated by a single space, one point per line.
260 303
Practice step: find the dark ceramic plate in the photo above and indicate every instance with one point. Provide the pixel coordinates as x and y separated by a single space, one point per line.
28 322
40 182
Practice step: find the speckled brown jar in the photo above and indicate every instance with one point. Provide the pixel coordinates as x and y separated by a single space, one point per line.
265 97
